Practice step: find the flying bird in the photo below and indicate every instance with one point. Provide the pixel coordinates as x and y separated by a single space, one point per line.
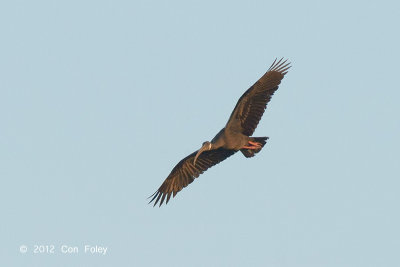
235 136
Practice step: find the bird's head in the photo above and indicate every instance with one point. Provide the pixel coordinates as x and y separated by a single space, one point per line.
206 146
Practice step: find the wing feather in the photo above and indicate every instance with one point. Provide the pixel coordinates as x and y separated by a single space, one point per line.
185 172
251 106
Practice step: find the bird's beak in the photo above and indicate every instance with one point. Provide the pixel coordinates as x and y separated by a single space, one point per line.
203 148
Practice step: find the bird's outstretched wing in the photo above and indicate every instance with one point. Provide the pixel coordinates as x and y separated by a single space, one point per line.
251 105
185 172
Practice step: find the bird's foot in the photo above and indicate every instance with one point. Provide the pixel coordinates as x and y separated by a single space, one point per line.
254 145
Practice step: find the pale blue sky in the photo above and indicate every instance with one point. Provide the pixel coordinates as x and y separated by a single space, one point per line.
100 99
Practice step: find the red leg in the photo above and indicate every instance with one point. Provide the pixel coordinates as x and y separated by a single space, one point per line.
250 147
255 143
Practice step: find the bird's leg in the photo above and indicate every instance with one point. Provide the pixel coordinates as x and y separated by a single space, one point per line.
251 147
254 145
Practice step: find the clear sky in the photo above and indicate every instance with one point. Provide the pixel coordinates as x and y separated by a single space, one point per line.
100 99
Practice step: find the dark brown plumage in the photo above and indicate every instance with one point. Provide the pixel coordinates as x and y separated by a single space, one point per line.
252 104
233 137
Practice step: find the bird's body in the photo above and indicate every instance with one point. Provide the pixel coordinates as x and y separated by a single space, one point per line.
235 136
229 140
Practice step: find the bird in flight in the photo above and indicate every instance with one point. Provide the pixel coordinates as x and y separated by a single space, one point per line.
235 136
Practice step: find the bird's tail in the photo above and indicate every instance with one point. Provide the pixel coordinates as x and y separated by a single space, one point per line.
248 153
